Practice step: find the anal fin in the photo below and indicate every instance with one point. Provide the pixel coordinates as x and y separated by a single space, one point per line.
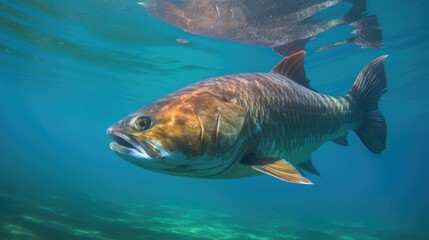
341 140
280 169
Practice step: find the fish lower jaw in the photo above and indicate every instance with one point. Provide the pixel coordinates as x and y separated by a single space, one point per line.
121 150
126 144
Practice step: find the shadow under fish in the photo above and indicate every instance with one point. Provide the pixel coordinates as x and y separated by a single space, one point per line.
286 26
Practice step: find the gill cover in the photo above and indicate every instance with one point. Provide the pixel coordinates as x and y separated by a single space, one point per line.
221 122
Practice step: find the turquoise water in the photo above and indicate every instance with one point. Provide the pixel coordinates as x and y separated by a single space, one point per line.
69 69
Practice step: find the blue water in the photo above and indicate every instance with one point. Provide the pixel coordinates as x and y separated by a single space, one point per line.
69 69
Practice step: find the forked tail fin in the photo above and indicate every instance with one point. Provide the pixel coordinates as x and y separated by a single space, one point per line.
370 85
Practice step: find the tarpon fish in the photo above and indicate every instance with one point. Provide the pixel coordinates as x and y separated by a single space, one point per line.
246 124
284 25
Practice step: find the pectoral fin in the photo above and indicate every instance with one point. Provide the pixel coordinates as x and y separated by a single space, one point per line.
280 169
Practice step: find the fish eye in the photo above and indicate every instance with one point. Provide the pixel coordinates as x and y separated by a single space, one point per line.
143 123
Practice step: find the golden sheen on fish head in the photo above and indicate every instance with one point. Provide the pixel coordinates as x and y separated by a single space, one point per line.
188 133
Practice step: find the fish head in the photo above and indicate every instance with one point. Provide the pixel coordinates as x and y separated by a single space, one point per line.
190 134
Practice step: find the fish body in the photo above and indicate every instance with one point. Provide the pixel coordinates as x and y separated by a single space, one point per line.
247 124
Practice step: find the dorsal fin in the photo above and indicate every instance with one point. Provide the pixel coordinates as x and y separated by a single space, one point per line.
292 67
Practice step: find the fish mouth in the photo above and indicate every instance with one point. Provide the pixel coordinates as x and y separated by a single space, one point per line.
128 145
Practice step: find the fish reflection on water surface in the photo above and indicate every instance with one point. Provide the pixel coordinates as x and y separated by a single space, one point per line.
286 25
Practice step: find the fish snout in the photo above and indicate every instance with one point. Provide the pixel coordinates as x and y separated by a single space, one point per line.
128 144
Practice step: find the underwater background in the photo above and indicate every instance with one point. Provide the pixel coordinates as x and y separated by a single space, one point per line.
70 69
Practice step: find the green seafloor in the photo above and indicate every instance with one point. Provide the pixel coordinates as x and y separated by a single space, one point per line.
78 216
70 69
